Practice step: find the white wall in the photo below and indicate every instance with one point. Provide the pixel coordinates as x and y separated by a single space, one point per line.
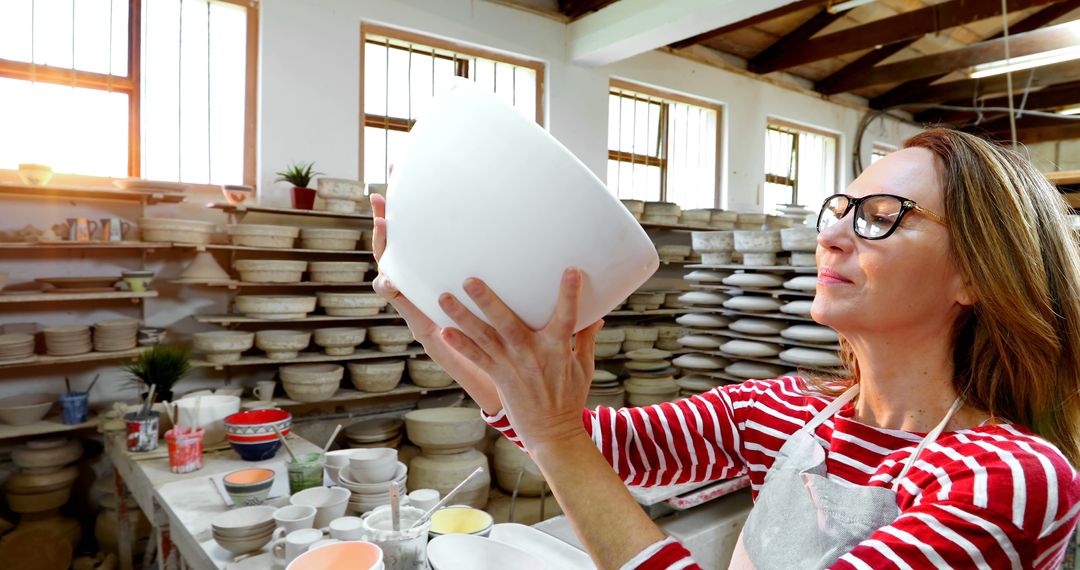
310 88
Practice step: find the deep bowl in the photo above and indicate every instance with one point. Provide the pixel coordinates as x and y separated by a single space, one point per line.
25 409
249 487
251 433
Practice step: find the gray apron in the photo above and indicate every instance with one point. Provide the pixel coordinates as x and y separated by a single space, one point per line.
803 519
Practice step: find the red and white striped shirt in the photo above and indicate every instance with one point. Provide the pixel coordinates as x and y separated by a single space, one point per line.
995 496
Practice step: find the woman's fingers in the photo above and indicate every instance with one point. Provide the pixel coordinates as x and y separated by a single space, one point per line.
564 321
585 345
378 238
421 326
483 335
465 346
512 330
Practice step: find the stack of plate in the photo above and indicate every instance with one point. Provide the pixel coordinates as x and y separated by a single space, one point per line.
69 340
16 346
115 334
695 384
374 433
605 390
652 378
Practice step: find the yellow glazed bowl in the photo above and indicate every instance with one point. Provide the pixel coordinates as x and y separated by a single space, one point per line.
461 520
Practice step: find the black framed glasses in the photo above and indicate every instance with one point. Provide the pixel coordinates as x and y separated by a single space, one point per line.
876 216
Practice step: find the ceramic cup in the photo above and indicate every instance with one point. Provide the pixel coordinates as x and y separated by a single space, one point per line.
407 546
286 549
347 528
424 499
142 431
264 390
75 407
294 517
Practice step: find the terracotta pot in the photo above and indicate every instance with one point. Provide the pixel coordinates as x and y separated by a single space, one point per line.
303 198
444 472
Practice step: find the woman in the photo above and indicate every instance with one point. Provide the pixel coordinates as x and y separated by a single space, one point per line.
951 275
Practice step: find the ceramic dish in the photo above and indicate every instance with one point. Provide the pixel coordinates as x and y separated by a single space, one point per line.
810 333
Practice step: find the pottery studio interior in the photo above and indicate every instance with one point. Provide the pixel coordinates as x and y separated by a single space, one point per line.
539 284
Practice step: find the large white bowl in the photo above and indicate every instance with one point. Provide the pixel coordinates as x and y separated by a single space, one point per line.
212 413
452 194
451 551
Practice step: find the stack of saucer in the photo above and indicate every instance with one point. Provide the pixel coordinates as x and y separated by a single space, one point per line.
115 334
652 378
374 433
16 346
69 340
605 390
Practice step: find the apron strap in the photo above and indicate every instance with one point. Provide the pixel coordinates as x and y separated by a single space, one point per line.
832 408
928 440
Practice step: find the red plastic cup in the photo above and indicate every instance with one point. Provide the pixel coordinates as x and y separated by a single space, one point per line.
185 449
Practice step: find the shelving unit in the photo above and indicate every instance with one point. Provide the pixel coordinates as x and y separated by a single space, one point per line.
87 193
10 298
307 358
86 245
45 360
44 427
241 210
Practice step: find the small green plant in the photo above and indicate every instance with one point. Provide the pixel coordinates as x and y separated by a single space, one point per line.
298 174
162 366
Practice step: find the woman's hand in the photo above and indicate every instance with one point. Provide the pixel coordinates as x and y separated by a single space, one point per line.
472 378
542 377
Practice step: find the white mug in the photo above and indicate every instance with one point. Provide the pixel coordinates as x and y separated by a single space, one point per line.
347 528
285 550
294 517
264 390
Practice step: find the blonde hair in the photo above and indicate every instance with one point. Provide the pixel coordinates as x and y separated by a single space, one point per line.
1016 351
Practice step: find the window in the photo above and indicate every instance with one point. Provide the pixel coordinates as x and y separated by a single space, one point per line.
402 72
162 89
879 151
662 147
800 165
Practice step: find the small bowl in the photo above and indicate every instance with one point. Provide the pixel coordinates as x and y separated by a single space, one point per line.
375 465
248 487
237 195
243 522
461 520
35 174
340 555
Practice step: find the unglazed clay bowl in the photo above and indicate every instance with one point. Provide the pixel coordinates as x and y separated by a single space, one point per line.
329 238
25 409
261 235
338 271
377 376
339 341
508 238
426 373
270 270
445 430
351 304
223 346
282 344
275 307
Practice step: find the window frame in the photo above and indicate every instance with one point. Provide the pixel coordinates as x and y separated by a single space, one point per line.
773 123
662 159
131 84
403 125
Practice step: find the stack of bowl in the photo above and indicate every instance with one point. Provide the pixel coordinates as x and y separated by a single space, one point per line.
351 304
723 220
374 433
391 338
695 384
662 213
342 195
606 390
368 477
376 375
636 207
645 300
329 238
251 434
426 373
673 252
609 342
45 477
16 346
511 462
115 334
640 337
651 377
69 340
221 347
243 530
176 230
715 247
668 337
311 382
802 243
698 217
758 248
339 341
447 438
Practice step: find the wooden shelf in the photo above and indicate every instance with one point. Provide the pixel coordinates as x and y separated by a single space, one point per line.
345 395
677 227
276 249
75 192
48 297
769 268
240 319
309 357
45 360
1064 177
46 426
243 284
653 313
241 210
85 245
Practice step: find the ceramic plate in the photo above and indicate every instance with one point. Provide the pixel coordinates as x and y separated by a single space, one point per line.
801 308
706 276
811 357
748 370
803 283
700 362
810 333
750 349
758 326
475 195
555 552
752 303
700 341
454 551
702 320
754 280
702 298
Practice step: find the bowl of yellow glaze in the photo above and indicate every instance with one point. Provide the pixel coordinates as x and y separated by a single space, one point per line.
461 520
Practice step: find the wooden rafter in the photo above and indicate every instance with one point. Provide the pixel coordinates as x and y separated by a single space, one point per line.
968 89
752 20
1032 129
1053 97
574 9
912 90
792 40
1022 44
865 62
908 25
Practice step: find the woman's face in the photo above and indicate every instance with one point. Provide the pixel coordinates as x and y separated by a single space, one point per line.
905 281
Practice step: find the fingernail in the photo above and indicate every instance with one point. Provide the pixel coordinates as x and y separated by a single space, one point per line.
446 300
473 286
573 276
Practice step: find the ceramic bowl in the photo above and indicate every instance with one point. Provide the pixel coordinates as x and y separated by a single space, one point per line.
35 174
235 194
375 465
339 341
345 555
376 376
213 410
176 230
510 462
223 346
461 520
270 270
38 502
37 481
263 235
46 453
499 236
25 409
282 344
607 349
466 551
243 522
799 239
445 430
390 338
400 476
251 433
351 304
275 307
761 241
426 373
329 238
338 271
247 487
642 334
311 382
610 335
329 502
713 242
244 545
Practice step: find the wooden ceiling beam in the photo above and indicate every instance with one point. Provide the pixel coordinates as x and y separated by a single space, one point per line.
865 62
792 40
753 20
1022 44
969 89
911 90
1036 133
905 26
1048 98
575 9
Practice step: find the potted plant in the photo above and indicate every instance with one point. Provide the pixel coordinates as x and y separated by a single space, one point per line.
161 366
299 175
